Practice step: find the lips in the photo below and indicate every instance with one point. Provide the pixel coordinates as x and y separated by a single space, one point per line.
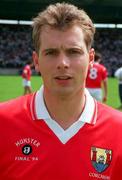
63 77
63 80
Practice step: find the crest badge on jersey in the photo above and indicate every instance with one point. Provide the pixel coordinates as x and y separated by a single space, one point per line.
101 158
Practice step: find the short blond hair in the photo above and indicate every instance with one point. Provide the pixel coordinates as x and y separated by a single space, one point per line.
62 16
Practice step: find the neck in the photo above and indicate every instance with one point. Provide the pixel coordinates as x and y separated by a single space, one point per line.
65 110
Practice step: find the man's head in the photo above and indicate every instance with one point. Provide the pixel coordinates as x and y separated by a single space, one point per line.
97 57
30 63
63 36
62 16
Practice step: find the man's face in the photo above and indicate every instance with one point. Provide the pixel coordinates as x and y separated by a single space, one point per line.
63 60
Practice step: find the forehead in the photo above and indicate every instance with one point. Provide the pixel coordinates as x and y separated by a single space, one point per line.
54 37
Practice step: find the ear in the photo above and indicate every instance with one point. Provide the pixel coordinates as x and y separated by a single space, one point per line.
36 61
91 57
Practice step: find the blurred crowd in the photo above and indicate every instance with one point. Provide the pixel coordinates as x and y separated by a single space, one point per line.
109 43
16 46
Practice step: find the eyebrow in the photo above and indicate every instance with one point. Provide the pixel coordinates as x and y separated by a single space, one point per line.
48 49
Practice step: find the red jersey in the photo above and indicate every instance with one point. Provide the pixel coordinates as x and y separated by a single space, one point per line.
26 74
35 147
96 75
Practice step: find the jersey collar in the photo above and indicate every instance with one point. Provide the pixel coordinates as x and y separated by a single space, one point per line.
39 110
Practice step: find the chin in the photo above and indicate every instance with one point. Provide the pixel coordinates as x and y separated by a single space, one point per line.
64 91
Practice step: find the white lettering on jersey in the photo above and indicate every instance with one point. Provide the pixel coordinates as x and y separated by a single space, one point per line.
93 73
27 141
98 176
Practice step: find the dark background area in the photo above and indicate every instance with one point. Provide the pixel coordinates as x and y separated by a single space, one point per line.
101 11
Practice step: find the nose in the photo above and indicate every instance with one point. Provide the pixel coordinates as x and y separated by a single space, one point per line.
63 62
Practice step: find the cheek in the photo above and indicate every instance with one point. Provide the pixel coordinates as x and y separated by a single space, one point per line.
42 66
83 66
45 70
82 69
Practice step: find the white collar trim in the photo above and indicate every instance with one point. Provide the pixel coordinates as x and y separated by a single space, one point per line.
88 116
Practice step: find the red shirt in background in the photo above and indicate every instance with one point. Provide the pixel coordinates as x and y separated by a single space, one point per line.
96 75
26 74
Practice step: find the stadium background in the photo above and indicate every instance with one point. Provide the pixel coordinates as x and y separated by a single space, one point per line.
16 43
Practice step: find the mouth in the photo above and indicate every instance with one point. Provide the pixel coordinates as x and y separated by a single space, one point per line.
63 77
63 80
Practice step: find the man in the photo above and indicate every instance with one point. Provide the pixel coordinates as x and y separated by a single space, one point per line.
118 75
60 132
26 75
97 79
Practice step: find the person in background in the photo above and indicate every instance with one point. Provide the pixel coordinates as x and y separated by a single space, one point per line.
118 75
60 132
26 75
96 81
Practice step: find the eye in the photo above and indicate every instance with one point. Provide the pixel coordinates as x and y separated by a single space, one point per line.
51 52
74 52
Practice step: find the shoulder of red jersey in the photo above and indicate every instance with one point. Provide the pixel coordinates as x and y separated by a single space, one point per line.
103 70
103 67
109 114
27 66
100 66
15 106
